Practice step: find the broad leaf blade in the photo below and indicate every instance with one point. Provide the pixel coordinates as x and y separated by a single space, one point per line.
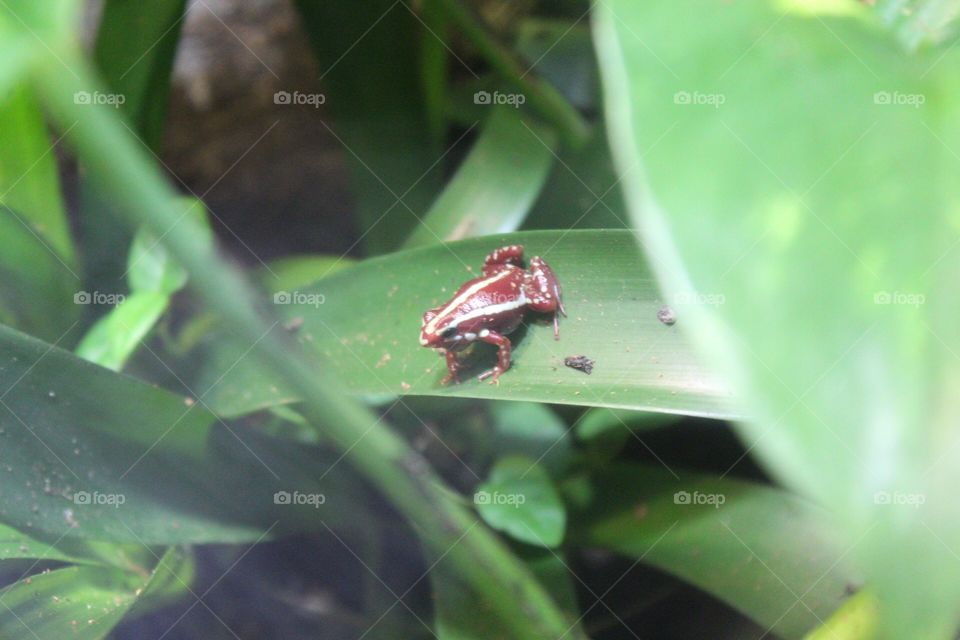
612 305
140 73
94 454
460 615
28 172
367 53
519 499
762 551
86 602
74 602
37 288
36 251
134 53
824 270
495 186
116 336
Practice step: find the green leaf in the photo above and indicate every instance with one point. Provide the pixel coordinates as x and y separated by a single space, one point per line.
171 580
460 615
602 423
14 544
582 191
150 268
920 22
495 186
761 550
612 305
519 499
293 272
435 61
36 287
36 252
604 432
385 459
74 602
90 453
29 183
542 96
839 323
31 33
134 51
562 54
83 602
16 53
532 429
141 74
855 620
368 58
154 277
44 547
116 336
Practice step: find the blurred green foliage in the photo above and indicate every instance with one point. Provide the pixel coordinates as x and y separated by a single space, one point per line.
775 177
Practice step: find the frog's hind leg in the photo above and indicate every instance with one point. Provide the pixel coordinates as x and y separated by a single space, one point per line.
509 255
453 368
542 290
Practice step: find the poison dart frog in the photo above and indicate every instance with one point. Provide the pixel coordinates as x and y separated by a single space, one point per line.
491 306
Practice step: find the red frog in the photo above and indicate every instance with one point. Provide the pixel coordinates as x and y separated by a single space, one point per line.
491 306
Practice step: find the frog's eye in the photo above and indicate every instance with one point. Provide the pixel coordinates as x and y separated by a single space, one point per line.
449 332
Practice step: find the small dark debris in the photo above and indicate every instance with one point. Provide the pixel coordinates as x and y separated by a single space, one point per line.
666 315
293 325
581 363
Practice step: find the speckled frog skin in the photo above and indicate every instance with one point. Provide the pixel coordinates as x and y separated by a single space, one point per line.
490 307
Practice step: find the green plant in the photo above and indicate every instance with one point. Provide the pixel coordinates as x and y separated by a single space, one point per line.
769 156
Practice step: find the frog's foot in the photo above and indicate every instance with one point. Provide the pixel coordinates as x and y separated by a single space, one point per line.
503 355
494 375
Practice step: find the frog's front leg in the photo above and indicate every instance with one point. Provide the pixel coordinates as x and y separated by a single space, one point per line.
542 290
511 254
503 355
453 367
